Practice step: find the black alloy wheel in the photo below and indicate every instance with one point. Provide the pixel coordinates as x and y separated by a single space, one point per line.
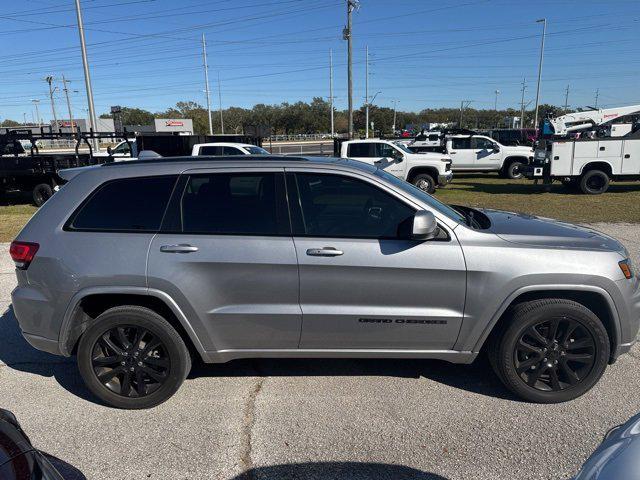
555 354
132 357
130 361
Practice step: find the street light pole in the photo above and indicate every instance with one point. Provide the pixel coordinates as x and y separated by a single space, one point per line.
366 92
544 33
220 103
87 76
49 80
395 105
36 102
66 93
206 83
333 133
346 34
495 104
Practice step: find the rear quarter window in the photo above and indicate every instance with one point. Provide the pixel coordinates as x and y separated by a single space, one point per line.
127 205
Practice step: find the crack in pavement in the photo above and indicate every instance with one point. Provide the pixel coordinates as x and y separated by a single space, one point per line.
248 419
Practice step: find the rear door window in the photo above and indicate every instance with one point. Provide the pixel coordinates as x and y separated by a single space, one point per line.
361 150
243 203
211 150
127 205
232 151
461 143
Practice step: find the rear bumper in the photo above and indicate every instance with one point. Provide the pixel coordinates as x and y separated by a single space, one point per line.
42 343
445 179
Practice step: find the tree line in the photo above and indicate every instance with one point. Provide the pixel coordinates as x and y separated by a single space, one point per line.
313 117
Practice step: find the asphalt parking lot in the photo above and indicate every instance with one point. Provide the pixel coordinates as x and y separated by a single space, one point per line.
313 419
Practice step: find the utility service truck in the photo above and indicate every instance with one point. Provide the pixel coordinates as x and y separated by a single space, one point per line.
598 156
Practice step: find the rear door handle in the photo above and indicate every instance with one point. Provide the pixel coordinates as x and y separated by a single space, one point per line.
181 248
324 252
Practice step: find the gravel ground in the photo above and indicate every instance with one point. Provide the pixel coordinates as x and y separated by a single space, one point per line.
313 419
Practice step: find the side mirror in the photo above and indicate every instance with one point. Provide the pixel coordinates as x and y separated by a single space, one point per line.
109 149
425 226
397 156
496 149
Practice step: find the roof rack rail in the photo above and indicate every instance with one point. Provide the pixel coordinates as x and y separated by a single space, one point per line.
200 158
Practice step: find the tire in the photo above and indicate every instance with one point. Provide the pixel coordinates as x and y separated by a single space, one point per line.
41 193
102 351
512 170
594 182
424 182
526 364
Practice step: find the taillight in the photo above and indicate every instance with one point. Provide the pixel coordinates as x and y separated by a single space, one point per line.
22 253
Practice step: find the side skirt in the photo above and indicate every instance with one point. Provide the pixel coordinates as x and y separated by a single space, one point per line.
446 355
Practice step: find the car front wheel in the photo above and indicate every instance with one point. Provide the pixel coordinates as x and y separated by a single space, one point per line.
553 350
425 183
131 357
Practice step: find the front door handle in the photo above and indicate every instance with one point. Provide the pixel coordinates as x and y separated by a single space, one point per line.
181 248
324 252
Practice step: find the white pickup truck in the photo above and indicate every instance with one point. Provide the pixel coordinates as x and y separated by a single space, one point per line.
225 148
479 153
129 150
424 170
587 164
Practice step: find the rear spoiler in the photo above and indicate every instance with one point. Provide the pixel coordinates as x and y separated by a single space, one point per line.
67 174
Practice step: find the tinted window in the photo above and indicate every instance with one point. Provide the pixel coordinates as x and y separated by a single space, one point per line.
122 148
211 150
360 150
337 206
257 151
234 203
482 143
461 143
384 150
129 204
231 151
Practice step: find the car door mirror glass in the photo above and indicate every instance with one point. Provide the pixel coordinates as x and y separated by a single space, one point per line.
425 226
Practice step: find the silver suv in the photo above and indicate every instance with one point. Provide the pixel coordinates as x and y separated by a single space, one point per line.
140 268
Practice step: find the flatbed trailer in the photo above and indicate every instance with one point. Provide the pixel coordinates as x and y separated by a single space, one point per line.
26 169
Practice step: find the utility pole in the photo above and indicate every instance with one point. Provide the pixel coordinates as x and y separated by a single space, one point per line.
24 118
66 93
544 33
346 34
333 133
36 102
495 103
206 83
597 95
462 107
220 103
524 86
87 76
566 99
366 92
49 80
395 105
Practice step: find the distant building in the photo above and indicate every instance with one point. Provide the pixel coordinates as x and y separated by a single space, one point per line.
164 125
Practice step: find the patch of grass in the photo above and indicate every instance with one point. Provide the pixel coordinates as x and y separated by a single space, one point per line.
13 218
621 203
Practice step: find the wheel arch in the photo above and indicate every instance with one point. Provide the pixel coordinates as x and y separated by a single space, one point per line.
87 304
594 298
415 171
603 165
514 158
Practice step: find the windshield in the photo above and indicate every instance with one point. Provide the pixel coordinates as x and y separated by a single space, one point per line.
256 151
402 147
423 196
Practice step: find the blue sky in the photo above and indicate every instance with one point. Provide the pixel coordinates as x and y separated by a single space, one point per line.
147 53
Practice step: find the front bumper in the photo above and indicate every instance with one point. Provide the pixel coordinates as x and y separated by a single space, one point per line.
445 179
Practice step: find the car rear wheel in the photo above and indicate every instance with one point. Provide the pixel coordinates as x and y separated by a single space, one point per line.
41 193
131 357
425 182
553 350
594 182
